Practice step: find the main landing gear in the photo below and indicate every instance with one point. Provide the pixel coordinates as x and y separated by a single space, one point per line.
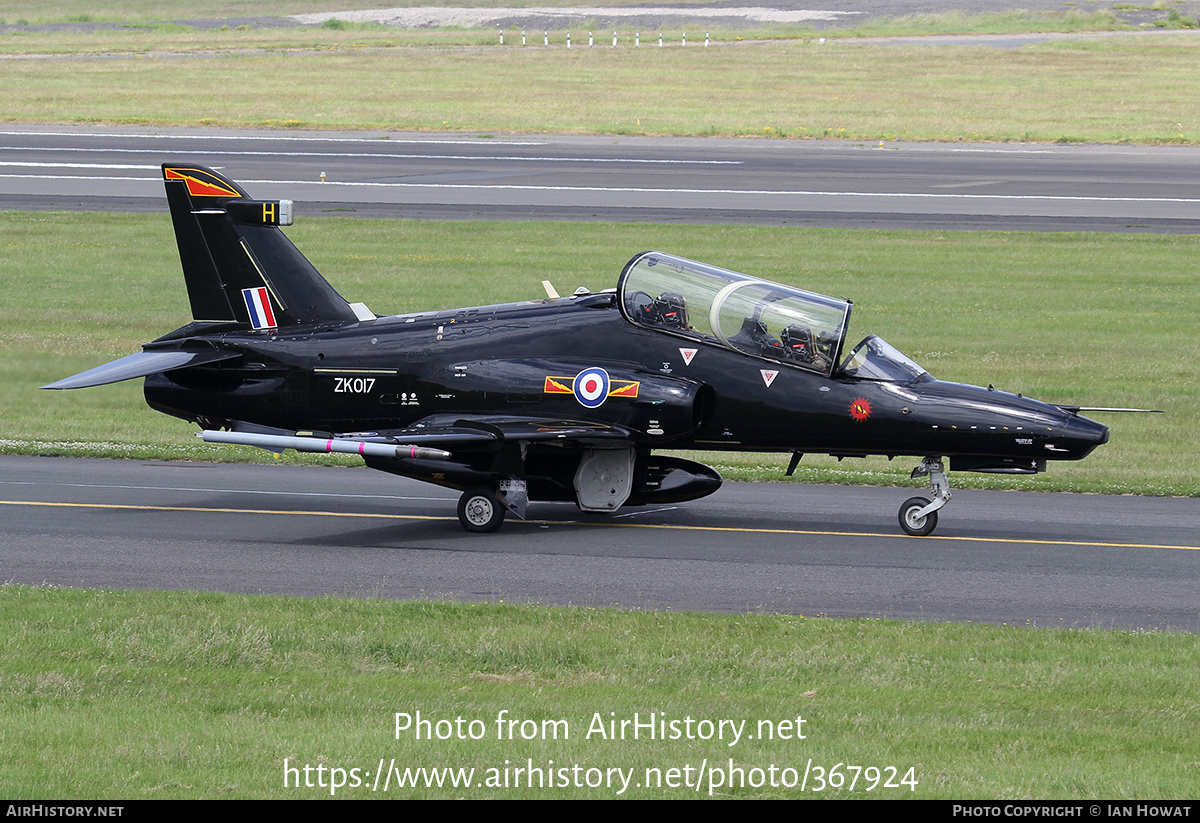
482 508
918 515
479 510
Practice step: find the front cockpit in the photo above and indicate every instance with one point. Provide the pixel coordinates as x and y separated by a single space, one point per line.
756 317
876 359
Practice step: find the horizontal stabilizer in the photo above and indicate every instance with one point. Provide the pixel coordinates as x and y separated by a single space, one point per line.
140 365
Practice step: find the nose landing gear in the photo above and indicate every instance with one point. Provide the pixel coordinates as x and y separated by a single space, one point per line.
918 515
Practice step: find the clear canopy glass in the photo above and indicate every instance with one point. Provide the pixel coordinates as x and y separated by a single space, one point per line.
756 317
875 359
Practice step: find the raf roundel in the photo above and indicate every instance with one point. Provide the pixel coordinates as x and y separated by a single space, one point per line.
591 387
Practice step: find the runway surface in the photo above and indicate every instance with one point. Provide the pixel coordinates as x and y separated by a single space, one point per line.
826 183
998 557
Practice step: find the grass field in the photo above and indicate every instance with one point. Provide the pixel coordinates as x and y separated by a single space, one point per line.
1130 89
181 695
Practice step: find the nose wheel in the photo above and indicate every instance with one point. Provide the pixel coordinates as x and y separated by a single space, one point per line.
918 515
915 523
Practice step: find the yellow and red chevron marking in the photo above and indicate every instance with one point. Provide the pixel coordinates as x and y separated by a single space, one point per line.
616 388
559 385
623 388
200 184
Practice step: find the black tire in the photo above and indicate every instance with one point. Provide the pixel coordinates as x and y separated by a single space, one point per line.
479 510
918 527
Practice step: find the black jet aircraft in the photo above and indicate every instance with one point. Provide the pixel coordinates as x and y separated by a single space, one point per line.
562 398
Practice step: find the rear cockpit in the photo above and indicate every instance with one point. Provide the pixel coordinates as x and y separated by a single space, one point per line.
721 307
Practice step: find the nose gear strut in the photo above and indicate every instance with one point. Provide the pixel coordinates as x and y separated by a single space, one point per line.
918 515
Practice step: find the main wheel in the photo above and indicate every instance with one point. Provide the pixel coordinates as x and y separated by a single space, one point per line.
479 510
917 526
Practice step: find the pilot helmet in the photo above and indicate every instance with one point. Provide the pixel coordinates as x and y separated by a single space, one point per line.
670 309
797 342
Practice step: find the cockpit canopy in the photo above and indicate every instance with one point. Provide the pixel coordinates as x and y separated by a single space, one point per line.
743 313
757 317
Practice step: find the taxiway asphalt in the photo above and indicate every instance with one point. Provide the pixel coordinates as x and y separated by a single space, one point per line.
1019 558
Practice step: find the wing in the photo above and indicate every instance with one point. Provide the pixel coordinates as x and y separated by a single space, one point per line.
492 430
427 439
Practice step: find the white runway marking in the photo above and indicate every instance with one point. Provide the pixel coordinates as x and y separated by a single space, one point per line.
32 164
274 138
1044 198
375 155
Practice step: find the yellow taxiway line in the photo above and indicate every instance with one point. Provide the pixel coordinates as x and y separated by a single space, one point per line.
623 524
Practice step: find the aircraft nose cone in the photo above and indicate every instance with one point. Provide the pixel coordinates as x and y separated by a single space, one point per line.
1086 434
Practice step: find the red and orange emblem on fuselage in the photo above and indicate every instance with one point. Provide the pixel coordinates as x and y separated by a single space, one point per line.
860 409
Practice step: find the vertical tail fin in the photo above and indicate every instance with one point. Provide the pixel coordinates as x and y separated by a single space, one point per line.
238 265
